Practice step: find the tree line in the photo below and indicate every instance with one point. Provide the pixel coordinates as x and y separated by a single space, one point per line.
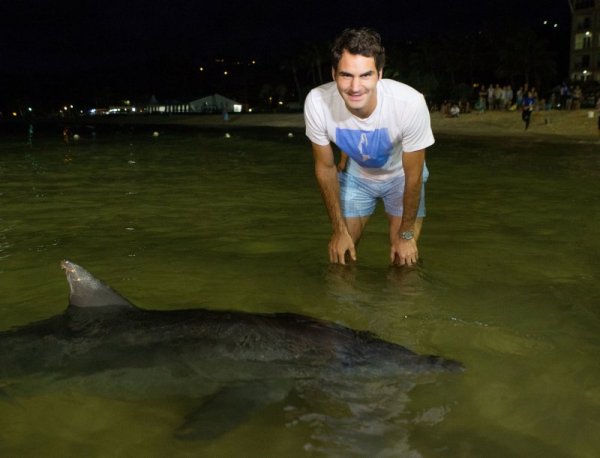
447 65
442 65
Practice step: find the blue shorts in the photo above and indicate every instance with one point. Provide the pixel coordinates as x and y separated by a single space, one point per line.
359 195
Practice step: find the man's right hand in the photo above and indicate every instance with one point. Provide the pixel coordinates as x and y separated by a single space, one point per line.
340 244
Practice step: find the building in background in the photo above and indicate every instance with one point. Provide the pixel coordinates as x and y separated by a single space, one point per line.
584 62
215 103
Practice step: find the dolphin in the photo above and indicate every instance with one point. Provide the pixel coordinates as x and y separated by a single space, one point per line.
233 363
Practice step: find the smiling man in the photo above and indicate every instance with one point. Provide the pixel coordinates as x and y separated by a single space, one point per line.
383 126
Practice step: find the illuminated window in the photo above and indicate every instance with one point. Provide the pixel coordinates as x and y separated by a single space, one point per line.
583 40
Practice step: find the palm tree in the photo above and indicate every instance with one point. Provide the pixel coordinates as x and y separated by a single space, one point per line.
523 55
313 58
307 67
291 65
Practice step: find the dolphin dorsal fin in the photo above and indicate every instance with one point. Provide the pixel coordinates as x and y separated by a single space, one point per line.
87 291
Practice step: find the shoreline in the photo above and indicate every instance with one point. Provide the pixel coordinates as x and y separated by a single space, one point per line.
547 125
561 126
552 125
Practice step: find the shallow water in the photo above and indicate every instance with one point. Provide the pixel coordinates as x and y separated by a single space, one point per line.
508 285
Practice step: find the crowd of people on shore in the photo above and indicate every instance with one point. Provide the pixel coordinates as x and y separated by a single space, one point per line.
497 97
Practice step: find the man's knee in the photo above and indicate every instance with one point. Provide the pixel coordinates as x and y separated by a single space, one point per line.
355 226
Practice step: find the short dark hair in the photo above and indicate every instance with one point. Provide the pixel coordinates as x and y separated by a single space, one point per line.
363 41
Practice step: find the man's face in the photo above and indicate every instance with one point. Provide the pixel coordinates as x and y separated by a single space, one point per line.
356 79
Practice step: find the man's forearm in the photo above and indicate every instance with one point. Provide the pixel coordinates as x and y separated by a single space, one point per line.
330 191
412 198
413 164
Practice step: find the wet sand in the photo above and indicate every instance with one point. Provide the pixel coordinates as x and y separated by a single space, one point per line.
545 125
579 126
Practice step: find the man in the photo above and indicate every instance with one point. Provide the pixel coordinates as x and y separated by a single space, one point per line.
598 109
384 128
528 103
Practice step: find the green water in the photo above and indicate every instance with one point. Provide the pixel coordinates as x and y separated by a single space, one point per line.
508 286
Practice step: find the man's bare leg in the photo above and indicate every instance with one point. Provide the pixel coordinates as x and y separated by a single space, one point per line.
355 227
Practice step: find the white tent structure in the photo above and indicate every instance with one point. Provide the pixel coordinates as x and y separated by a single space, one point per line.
215 103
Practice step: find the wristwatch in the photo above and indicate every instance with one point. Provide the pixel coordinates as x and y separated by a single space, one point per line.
407 235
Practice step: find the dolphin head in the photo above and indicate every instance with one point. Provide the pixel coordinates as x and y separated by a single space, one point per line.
87 291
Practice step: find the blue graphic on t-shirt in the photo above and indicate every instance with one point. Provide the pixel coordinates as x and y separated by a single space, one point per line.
370 148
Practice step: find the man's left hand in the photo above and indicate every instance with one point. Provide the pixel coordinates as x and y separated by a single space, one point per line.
404 252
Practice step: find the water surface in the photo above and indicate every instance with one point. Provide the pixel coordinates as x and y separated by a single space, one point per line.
508 285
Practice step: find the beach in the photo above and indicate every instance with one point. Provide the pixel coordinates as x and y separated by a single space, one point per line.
579 126
550 125
553 125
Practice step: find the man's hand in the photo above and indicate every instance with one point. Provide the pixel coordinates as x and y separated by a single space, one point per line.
326 173
340 244
404 252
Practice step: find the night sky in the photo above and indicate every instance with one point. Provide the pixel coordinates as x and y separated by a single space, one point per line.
59 49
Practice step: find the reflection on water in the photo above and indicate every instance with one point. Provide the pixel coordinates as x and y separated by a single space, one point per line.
508 285
4 245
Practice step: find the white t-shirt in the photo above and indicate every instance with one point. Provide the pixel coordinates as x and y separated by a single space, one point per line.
400 122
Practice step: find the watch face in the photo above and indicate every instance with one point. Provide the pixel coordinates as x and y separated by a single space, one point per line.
408 235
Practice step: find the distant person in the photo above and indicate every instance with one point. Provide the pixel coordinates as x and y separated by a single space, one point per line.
527 109
383 127
569 101
498 97
598 110
564 93
508 96
520 93
577 96
481 106
535 97
30 135
490 97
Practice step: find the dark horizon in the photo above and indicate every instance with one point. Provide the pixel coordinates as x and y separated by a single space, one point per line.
98 54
